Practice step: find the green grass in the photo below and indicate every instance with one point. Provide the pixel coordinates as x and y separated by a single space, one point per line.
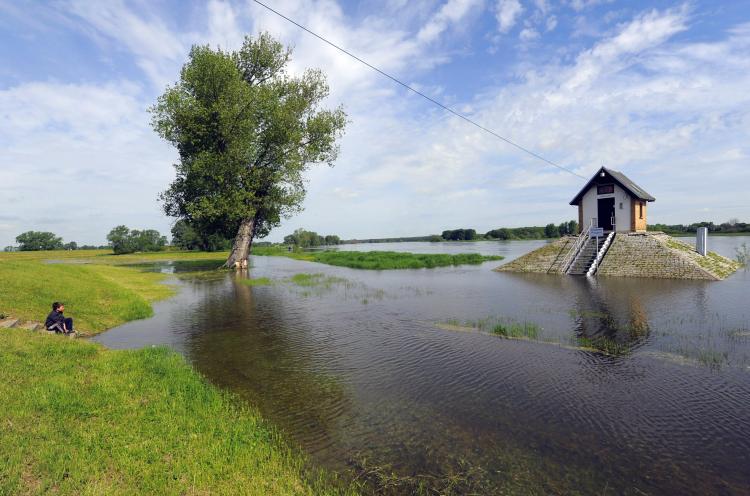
385 260
259 281
96 296
81 419
500 326
604 345
377 260
99 289
528 330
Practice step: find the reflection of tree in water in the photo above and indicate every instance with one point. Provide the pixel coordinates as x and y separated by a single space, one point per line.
263 352
613 323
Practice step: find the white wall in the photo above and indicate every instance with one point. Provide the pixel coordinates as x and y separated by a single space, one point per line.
622 215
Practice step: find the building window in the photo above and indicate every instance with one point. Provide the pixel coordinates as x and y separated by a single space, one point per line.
640 210
605 189
620 205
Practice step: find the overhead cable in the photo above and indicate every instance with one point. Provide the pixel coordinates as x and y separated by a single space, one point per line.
426 97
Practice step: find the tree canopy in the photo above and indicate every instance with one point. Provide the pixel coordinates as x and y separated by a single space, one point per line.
37 240
123 240
246 131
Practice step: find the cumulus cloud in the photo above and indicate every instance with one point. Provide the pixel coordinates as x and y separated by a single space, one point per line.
506 13
451 12
661 107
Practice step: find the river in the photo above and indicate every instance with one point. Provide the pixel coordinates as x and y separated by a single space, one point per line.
382 370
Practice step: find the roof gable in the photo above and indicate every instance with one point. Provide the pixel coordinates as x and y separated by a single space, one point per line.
618 178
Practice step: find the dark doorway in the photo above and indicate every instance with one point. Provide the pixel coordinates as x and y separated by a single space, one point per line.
606 213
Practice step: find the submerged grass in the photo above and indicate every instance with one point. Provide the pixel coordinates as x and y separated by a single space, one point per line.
378 260
527 330
500 326
258 281
81 419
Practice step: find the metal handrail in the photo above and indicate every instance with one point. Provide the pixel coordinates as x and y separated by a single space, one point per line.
568 260
600 254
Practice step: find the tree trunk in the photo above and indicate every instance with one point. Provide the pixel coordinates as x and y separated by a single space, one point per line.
241 248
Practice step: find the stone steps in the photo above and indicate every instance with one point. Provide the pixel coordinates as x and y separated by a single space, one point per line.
585 258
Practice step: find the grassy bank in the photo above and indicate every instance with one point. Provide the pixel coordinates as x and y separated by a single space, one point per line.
379 260
99 292
80 419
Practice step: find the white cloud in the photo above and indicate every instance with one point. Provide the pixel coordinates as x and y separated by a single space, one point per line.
157 49
507 12
452 12
528 34
551 23
665 111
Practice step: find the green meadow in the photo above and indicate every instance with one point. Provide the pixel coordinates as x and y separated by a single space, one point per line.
379 260
81 419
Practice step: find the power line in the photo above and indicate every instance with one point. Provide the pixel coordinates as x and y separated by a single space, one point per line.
444 107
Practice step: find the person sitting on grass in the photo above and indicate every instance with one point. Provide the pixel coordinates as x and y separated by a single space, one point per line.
57 322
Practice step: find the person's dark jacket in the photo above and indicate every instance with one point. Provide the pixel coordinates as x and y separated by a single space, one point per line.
53 318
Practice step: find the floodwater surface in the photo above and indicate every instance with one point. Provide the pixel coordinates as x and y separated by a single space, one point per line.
616 386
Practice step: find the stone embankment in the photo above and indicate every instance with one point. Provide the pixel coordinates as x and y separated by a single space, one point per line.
10 322
643 254
545 260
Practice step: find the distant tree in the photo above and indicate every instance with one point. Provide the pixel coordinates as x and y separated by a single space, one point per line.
185 237
459 235
70 246
123 240
35 241
120 240
572 227
435 238
305 239
550 231
148 240
246 131
332 239
10 248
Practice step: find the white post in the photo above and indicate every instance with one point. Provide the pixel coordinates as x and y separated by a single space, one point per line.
701 241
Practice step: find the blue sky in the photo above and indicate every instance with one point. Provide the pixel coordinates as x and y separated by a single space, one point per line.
658 90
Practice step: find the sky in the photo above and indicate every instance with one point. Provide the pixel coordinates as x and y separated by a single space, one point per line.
658 90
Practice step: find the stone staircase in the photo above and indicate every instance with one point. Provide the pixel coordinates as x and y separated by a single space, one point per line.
584 259
10 322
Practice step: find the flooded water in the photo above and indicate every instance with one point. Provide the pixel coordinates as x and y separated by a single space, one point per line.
393 369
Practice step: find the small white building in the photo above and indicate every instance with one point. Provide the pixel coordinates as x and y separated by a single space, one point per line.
612 201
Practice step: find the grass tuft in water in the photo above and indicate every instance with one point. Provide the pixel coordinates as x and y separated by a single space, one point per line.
527 330
604 344
259 281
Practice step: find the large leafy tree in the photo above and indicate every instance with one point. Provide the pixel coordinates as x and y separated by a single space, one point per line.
246 131
36 240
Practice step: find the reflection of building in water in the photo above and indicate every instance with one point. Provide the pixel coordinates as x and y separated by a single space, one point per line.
620 320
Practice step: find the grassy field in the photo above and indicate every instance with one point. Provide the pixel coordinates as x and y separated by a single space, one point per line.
80 419
98 292
379 260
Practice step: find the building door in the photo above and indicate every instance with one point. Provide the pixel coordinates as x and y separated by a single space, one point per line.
606 212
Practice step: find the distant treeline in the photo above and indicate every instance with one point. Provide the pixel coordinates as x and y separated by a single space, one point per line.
731 227
533 232
309 239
